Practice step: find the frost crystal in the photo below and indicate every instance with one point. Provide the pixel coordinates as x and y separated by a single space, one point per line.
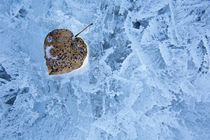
49 56
49 38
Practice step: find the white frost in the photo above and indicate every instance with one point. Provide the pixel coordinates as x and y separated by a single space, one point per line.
49 56
73 38
49 38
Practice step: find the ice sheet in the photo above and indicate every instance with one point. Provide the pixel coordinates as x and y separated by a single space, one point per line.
146 74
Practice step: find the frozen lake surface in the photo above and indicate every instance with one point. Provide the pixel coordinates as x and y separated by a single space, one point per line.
146 77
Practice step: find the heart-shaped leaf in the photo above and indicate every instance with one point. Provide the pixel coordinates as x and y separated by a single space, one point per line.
64 52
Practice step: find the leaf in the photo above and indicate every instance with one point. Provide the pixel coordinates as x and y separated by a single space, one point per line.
63 51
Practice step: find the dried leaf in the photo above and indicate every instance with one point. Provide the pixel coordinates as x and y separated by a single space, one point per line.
63 51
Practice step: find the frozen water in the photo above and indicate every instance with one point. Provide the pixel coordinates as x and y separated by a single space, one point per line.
147 75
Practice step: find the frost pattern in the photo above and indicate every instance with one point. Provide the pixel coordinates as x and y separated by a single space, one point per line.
147 76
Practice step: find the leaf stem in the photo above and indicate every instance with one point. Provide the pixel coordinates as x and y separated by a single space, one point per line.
83 29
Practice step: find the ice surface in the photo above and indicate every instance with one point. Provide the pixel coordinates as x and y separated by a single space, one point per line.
147 75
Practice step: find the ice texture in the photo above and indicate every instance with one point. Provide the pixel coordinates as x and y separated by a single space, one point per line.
147 76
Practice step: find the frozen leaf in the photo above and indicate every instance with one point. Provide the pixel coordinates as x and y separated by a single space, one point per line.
64 52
